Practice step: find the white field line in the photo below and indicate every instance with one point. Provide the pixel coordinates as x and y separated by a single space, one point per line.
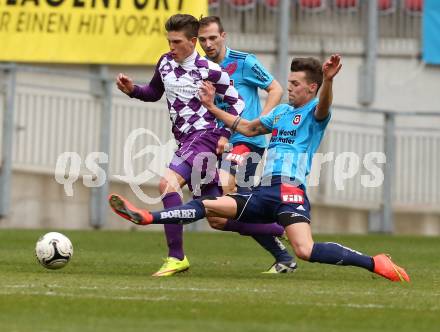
178 289
197 300
26 289
103 297
397 292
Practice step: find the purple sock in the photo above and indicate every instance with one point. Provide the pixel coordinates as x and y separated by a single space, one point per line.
253 229
173 233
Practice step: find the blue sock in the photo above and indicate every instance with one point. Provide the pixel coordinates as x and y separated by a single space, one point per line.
274 246
184 214
334 253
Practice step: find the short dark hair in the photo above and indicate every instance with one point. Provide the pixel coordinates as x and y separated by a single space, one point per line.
205 21
183 22
311 66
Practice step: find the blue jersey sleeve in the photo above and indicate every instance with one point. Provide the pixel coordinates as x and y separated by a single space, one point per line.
323 123
255 74
268 119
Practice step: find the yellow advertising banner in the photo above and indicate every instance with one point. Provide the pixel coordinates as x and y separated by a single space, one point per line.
89 31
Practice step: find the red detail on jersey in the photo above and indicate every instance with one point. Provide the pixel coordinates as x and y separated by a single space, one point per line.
274 132
291 194
231 68
238 154
297 119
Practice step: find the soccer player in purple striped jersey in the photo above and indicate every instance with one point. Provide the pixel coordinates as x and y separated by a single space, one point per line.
179 74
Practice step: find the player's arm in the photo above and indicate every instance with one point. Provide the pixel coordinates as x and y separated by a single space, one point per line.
227 92
330 69
235 122
274 94
149 92
255 74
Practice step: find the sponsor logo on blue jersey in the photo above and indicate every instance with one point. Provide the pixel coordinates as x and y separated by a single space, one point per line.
259 72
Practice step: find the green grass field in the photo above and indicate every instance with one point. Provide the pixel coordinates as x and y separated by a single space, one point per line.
107 287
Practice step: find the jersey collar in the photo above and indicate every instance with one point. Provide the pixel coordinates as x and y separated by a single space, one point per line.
190 58
228 50
305 106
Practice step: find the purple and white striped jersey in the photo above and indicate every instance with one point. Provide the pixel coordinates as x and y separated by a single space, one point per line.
181 83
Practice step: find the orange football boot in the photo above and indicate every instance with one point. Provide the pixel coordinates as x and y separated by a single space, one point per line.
128 211
384 266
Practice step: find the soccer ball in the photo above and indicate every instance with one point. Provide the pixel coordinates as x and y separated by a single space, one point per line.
53 250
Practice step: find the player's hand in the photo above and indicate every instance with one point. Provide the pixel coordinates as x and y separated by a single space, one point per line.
222 145
206 94
124 83
331 67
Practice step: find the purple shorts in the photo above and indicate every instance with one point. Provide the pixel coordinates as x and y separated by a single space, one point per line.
195 160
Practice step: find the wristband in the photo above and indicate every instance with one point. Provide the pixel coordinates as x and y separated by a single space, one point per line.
236 122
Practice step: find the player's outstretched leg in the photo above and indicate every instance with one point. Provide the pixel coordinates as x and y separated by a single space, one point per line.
187 213
334 253
126 210
300 237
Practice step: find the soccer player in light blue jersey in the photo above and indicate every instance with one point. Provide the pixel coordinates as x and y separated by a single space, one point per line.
248 76
297 129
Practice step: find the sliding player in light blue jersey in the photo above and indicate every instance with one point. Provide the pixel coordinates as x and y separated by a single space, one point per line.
247 75
297 130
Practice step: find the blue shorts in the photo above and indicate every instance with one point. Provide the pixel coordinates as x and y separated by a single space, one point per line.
286 203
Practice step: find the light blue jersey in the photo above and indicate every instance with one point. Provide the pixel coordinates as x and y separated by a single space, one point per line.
247 75
296 136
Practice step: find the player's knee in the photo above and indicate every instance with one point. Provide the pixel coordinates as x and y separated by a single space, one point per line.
303 250
216 223
165 186
229 189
